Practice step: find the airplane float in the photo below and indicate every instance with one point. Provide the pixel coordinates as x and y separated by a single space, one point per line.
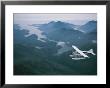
79 54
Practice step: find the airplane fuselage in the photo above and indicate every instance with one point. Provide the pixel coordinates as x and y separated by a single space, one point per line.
80 52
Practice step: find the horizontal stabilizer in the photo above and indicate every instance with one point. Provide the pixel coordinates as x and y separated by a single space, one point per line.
91 51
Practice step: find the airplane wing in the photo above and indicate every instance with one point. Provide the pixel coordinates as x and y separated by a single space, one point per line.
79 51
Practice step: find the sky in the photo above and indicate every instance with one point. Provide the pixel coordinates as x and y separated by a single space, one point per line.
37 18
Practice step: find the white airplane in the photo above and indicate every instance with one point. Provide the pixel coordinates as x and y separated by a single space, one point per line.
80 53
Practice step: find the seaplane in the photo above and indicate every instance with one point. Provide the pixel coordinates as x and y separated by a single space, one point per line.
79 54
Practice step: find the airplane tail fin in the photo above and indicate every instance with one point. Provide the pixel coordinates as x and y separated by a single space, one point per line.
91 51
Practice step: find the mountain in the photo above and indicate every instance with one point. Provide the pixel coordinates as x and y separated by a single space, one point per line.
55 32
61 31
65 34
52 26
90 26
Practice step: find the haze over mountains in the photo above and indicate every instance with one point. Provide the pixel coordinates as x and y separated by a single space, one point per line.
45 48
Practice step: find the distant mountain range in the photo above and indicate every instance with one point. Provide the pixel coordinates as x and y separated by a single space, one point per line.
53 26
59 31
90 26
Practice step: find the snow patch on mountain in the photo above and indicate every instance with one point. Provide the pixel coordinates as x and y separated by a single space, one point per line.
33 30
60 43
94 41
64 47
37 47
